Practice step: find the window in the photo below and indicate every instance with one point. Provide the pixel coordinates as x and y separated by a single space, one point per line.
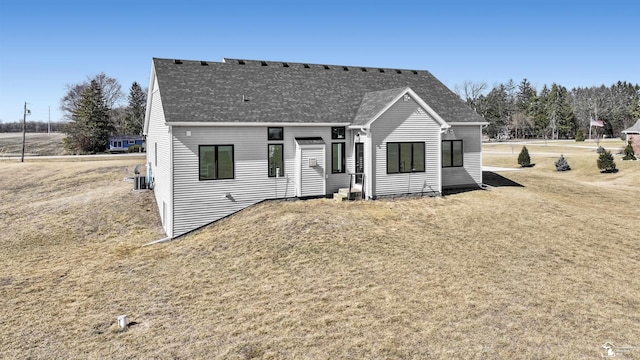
132 142
276 160
338 158
216 162
337 132
452 154
275 133
405 157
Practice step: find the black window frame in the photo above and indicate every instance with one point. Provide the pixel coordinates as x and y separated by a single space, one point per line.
448 144
281 160
412 167
336 131
343 160
275 137
215 159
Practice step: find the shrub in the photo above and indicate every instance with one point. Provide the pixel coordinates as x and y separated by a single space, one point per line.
580 135
524 159
629 153
135 149
562 164
606 163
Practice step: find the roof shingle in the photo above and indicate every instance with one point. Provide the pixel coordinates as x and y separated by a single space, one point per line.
279 92
635 129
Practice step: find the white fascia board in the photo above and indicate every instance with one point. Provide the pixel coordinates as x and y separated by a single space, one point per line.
147 115
261 124
468 123
418 99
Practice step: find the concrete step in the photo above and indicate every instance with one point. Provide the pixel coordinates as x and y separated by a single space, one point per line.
340 197
354 190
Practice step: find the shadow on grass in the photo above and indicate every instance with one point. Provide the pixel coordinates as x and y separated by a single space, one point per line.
496 180
490 179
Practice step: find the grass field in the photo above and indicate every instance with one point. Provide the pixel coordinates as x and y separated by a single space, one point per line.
545 268
36 144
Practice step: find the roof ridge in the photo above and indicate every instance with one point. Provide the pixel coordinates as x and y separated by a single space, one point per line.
254 62
235 61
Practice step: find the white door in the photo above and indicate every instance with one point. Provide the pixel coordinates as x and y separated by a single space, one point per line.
312 171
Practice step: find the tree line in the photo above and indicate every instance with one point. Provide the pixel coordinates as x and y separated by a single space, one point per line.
32 126
94 111
520 111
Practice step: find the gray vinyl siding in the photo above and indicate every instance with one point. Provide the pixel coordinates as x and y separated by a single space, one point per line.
405 121
159 133
471 172
198 203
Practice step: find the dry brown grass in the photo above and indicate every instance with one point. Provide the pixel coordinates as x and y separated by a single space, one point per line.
547 270
35 144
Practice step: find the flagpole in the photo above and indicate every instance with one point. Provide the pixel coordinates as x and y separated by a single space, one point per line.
596 119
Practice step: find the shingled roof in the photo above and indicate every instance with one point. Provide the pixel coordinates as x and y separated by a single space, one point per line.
266 91
635 129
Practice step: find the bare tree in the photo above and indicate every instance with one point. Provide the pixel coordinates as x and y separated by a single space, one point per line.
111 91
522 121
470 92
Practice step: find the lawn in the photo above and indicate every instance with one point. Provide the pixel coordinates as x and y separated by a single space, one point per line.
545 268
35 144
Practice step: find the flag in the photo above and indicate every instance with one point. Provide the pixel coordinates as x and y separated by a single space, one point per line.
598 123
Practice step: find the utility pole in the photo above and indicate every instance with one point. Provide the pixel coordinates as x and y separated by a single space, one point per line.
24 129
49 123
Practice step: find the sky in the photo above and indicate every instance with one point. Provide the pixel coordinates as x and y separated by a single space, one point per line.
47 45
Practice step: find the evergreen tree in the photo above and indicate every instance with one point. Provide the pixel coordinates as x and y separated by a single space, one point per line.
580 135
606 163
90 125
525 96
497 107
111 92
634 108
539 112
629 153
559 112
134 118
522 119
562 164
523 159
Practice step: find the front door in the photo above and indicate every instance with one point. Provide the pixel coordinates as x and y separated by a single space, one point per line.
359 162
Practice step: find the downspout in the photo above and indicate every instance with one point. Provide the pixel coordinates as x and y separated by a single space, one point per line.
481 156
172 183
443 129
368 163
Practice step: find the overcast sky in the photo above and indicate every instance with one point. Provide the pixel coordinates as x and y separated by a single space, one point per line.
45 45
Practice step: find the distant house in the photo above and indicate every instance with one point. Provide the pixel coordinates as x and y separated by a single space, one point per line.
122 143
225 135
633 136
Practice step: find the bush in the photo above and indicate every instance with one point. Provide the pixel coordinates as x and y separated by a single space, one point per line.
580 135
135 149
606 163
562 164
524 159
629 153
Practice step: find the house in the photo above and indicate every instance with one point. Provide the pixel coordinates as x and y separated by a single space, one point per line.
225 135
633 136
121 143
